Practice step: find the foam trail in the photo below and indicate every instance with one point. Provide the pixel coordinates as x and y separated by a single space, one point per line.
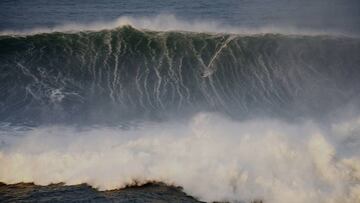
166 22
212 157
126 73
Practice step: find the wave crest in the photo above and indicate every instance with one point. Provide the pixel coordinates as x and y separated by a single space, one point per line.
172 23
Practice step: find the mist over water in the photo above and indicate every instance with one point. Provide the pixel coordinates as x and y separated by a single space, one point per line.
212 157
228 106
321 15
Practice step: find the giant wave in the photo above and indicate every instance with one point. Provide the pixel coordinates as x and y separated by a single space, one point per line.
227 116
122 73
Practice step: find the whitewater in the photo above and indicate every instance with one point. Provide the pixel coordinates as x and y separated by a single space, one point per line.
228 114
211 157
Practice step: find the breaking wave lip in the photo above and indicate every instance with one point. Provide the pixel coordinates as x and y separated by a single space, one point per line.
293 162
172 23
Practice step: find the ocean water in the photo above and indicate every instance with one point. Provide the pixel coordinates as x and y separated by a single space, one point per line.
323 15
230 101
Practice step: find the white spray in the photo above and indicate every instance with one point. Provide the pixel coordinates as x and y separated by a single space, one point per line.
213 158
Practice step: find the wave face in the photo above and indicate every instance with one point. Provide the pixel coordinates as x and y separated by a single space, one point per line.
224 112
124 73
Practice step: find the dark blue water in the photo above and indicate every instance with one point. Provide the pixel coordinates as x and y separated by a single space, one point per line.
325 15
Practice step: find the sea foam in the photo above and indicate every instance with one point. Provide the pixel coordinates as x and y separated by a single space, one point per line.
212 157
